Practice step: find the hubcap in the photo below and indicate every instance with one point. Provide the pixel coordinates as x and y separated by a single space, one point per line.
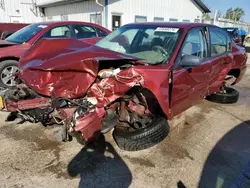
6 75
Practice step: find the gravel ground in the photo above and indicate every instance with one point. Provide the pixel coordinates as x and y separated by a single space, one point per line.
211 150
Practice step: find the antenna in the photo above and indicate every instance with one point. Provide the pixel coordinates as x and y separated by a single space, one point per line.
33 7
2 4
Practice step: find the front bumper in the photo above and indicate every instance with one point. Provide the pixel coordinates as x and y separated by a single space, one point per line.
88 124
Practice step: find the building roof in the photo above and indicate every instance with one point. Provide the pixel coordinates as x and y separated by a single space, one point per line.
50 3
202 6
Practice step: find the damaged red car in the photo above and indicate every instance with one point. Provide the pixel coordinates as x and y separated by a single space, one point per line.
132 81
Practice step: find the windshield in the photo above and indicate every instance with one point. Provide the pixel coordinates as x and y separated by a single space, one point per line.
153 44
25 34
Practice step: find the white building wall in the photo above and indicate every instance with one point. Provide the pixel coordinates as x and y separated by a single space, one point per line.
18 11
76 11
128 9
179 9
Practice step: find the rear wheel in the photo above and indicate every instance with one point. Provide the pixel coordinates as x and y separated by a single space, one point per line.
7 69
226 96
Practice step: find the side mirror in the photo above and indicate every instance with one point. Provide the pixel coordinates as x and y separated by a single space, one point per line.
190 61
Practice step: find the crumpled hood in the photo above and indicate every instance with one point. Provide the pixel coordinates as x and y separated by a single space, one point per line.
63 67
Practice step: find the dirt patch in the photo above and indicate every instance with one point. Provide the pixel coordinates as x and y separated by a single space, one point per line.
58 168
140 161
33 134
38 141
170 147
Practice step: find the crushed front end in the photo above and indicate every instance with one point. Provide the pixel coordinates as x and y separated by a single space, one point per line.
89 90
81 117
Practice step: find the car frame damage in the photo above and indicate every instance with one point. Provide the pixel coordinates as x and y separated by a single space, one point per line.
118 97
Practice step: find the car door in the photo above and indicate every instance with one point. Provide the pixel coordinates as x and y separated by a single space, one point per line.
86 33
221 58
189 84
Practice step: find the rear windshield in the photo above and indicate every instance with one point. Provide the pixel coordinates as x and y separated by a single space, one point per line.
25 34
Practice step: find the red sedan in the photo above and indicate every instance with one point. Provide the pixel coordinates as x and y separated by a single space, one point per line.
13 48
134 80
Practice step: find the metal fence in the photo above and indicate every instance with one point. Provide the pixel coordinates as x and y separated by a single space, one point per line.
221 22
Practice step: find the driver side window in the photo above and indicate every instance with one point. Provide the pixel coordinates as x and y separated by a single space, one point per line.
195 44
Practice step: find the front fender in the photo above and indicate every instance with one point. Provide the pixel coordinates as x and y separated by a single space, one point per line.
153 78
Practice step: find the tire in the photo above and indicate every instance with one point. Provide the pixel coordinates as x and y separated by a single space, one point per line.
5 65
144 138
231 96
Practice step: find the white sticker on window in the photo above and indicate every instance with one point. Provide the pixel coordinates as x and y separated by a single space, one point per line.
42 26
167 29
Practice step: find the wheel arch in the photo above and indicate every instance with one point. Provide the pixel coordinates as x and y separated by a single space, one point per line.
153 101
9 58
234 72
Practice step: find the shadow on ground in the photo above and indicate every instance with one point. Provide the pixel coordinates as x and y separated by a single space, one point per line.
228 164
99 165
228 159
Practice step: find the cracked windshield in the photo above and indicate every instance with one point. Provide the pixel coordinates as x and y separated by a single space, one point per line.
153 44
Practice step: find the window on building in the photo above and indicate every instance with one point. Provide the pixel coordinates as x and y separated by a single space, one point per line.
96 18
158 19
219 41
197 20
116 22
64 17
186 20
58 32
173 19
84 31
140 19
195 44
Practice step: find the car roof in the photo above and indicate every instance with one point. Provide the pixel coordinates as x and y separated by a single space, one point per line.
170 24
55 23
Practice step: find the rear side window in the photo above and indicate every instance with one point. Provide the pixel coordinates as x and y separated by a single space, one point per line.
220 42
84 31
101 33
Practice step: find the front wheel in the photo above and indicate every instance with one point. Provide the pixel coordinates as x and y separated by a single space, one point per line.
226 96
7 69
138 139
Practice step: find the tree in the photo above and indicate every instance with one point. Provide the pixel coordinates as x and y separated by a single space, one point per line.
229 14
206 16
238 14
234 14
